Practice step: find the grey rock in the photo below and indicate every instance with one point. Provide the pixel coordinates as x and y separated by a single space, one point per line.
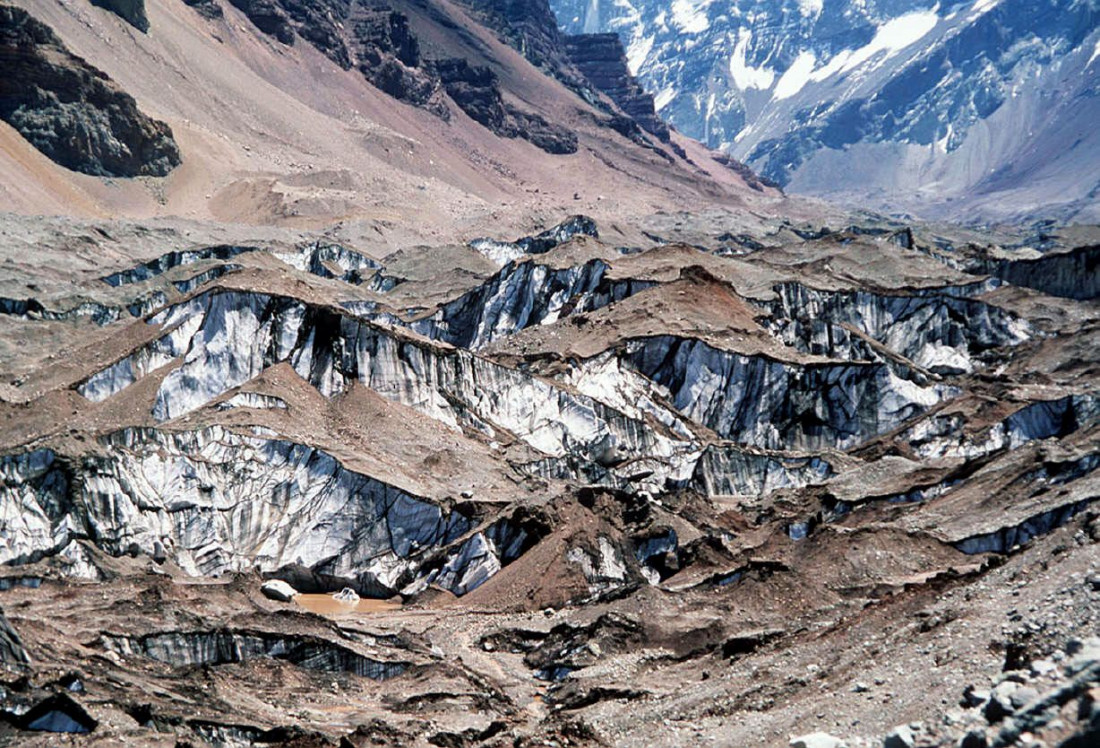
900 737
1000 701
277 589
1040 668
974 697
1023 695
974 738
817 740
1083 654
12 654
72 112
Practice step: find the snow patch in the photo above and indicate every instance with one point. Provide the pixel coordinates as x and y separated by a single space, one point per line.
797 76
890 39
811 8
984 6
637 52
664 98
1095 54
744 75
592 17
690 16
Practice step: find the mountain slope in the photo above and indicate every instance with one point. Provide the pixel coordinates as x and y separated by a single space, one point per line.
271 132
940 108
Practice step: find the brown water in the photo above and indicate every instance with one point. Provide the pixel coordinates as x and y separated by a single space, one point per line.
327 605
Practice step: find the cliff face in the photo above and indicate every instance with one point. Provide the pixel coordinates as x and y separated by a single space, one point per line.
582 62
529 25
602 59
71 111
131 11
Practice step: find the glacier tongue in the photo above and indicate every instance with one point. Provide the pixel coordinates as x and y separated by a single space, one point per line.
644 376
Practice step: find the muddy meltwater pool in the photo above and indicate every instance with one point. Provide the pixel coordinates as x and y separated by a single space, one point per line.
327 605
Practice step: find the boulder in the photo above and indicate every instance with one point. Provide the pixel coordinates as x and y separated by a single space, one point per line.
1083 654
974 738
277 589
12 654
1000 701
131 11
974 697
817 740
900 737
1023 696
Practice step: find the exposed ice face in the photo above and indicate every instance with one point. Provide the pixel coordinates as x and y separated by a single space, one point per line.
521 295
503 252
190 648
604 568
234 336
944 436
332 261
641 417
216 501
941 330
733 470
758 401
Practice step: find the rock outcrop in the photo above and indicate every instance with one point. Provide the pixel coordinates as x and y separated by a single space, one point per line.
476 91
602 60
131 11
12 654
529 26
72 112
209 9
388 55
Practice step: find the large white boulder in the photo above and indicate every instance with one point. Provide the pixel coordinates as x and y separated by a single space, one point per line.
277 589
